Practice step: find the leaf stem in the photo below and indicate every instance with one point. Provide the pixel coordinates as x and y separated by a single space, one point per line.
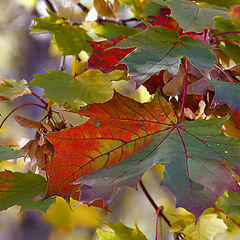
224 72
40 99
62 63
223 33
27 104
50 5
185 91
160 209
153 203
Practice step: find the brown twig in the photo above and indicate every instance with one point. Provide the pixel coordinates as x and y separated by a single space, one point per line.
84 9
50 5
153 203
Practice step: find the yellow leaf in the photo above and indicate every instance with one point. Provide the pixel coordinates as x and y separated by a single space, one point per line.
62 216
207 227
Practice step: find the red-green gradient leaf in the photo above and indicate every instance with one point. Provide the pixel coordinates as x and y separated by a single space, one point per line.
117 129
194 154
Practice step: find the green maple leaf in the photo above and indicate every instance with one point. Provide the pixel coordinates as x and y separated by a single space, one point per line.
91 86
69 38
7 152
193 17
121 232
161 48
22 189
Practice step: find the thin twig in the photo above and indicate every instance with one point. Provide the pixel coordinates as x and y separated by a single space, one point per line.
160 209
153 203
224 72
85 9
224 33
185 91
40 99
50 5
62 63
27 104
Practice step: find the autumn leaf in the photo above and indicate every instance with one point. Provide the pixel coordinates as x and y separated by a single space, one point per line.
107 59
69 38
121 232
11 89
193 153
7 152
24 189
116 130
226 93
91 86
165 48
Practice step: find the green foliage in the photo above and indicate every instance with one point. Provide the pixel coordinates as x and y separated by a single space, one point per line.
7 152
91 86
164 51
23 189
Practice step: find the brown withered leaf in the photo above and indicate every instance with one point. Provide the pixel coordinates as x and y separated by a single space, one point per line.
200 87
24 122
104 8
175 86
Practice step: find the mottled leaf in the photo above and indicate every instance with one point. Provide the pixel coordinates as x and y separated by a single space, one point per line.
11 89
158 48
121 232
226 93
7 152
117 129
91 86
69 38
24 189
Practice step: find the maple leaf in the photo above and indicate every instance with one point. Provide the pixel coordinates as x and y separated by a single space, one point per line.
226 93
158 48
193 153
91 86
22 189
116 130
221 3
11 89
7 152
69 38
193 16
121 232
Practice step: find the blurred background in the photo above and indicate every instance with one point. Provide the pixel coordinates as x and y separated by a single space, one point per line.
22 55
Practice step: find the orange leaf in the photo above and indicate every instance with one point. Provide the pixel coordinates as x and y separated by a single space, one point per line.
117 129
